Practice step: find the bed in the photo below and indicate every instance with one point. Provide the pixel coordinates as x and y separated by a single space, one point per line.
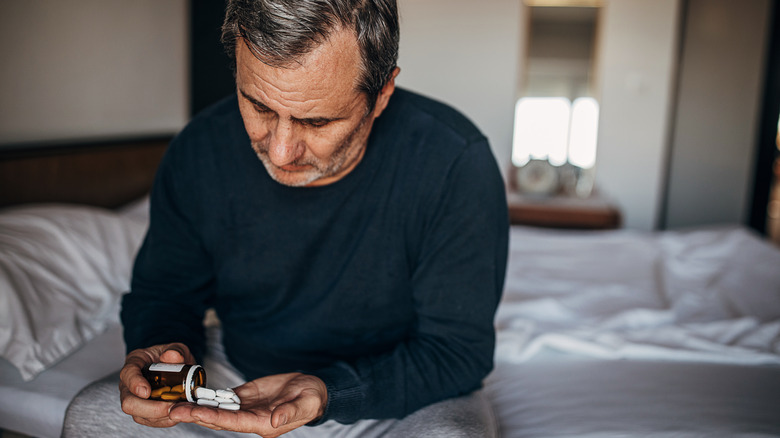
600 333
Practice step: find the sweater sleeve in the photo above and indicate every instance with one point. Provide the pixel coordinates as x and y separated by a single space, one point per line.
172 276
457 283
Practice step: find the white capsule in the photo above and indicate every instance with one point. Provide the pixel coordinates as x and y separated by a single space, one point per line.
207 402
223 400
207 393
225 393
236 399
229 406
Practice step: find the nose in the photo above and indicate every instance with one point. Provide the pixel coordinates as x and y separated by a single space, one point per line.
284 146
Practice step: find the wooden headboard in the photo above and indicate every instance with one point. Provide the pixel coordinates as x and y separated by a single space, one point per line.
105 174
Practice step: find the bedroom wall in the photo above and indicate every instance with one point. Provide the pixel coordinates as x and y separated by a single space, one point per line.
637 76
82 69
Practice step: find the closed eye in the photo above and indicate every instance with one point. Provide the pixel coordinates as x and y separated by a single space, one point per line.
260 108
315 123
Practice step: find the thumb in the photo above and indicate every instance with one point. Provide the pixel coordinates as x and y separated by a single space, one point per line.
285 414
172 356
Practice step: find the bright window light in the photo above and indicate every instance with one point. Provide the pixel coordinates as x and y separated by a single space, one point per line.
541 129
584 132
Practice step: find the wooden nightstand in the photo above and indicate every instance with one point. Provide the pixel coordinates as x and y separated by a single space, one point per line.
593 213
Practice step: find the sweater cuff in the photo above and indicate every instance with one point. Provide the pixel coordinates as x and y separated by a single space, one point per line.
345 394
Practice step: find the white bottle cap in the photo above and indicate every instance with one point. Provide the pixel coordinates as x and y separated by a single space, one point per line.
188 383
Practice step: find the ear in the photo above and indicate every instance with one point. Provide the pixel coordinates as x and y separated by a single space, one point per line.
385 93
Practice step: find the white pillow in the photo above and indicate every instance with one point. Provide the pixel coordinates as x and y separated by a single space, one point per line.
63 269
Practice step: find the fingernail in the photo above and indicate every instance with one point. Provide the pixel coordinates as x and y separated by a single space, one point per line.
282 420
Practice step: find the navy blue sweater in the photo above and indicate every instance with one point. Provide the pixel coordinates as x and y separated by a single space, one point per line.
384 284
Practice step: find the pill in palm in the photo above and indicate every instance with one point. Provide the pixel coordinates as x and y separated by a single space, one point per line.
207 402
207 393
225 393
218 398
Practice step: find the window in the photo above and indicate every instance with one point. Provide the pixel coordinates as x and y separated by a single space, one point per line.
541 129
557 130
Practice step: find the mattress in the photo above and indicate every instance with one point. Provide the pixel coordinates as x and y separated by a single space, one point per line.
584 397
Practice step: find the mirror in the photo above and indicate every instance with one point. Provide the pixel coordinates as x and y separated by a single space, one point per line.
556 114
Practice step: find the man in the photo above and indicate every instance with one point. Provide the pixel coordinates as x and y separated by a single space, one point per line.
356 271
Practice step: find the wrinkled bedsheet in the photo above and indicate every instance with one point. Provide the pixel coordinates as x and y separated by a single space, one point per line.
699 295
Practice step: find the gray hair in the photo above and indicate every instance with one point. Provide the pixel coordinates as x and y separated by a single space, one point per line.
281 32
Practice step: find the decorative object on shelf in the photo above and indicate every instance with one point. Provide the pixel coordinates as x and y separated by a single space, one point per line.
537 178
540 178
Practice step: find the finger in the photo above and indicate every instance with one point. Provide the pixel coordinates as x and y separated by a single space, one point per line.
192 413
174 353
132 378
207 415
160 422
303 410
147 412
182 413
254 421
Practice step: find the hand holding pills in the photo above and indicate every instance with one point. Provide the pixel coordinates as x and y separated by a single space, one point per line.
269 406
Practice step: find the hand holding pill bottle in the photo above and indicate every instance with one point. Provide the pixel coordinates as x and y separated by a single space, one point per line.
179 382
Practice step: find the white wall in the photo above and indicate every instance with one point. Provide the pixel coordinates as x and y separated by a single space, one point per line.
468 54
638 55
714 144
465 53
82 69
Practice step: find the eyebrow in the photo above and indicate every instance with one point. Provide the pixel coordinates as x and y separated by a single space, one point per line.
308 120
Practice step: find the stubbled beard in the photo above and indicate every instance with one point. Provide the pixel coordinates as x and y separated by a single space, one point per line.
313 172
315 168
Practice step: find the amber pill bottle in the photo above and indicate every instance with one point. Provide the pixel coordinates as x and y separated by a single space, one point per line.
170 380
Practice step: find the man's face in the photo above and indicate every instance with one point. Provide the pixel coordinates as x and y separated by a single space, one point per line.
308 124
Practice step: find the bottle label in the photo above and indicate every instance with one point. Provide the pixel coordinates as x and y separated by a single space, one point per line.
166 367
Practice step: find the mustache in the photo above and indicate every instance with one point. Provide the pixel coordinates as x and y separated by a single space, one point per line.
261 148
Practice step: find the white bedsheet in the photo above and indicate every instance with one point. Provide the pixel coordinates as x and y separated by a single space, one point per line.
706 295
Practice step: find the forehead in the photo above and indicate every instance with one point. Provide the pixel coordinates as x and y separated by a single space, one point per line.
328 75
